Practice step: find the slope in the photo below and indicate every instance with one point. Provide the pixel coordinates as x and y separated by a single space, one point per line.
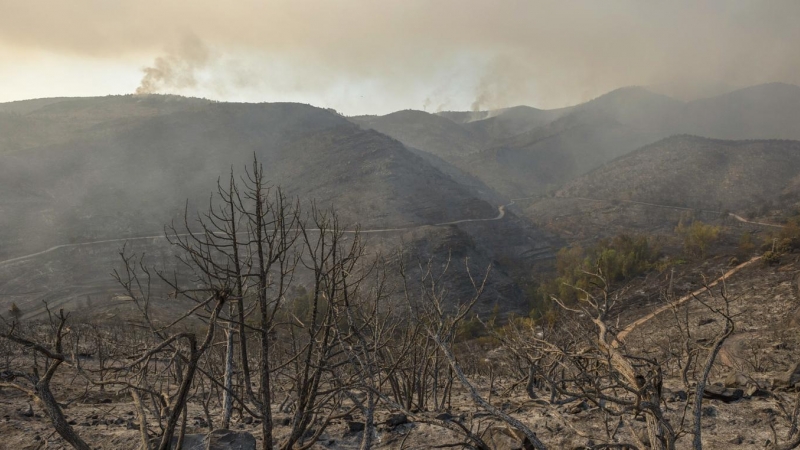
524 151
131 173
768 111
587 136
695 172
120 170
428 132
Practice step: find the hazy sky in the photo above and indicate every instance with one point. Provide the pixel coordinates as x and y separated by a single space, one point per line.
376 56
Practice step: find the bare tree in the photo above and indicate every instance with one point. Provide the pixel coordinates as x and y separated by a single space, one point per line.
37 385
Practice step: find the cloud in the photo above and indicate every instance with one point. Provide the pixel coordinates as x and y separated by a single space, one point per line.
542 53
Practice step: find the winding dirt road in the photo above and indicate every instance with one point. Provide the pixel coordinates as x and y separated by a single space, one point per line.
679 208
501 212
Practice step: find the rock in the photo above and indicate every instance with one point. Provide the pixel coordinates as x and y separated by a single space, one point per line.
106 400
396 420
709 411
216 440
643 436
28 412
751 390
702 322
230 440
738 440
736 379
789 378
355 427
285 421
200 422
579 408
714 392
677 396
504 438
445 417
768 412
190 442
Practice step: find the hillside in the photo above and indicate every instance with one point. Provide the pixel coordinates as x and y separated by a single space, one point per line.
695 172
428 132
769 111
118 169
508 122
115 168
586 137
524 151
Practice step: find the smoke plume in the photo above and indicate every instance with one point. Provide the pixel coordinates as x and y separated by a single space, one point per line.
367 56
177 69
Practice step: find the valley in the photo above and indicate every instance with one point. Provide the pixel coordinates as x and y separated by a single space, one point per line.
399 225
536 201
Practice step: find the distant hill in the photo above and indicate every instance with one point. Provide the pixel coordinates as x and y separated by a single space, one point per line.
587 136
768 111
462 117
94 169
696 172
429 132
504 123
523 151
131 171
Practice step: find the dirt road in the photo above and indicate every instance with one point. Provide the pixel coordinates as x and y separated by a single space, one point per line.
501 212
679 208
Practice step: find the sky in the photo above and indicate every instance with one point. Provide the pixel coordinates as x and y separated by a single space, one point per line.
378 56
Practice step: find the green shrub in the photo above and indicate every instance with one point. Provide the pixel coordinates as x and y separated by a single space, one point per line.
618 259
697 237
746 245
771 258
789 236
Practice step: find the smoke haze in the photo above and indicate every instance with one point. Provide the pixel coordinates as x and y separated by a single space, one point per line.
177 69
366 56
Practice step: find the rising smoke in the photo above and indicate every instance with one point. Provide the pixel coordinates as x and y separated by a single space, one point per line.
176 70
541 53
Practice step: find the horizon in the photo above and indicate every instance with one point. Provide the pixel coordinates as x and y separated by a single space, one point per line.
363 58
156 94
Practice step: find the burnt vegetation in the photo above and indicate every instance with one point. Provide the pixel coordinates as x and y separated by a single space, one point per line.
295 328
667 319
